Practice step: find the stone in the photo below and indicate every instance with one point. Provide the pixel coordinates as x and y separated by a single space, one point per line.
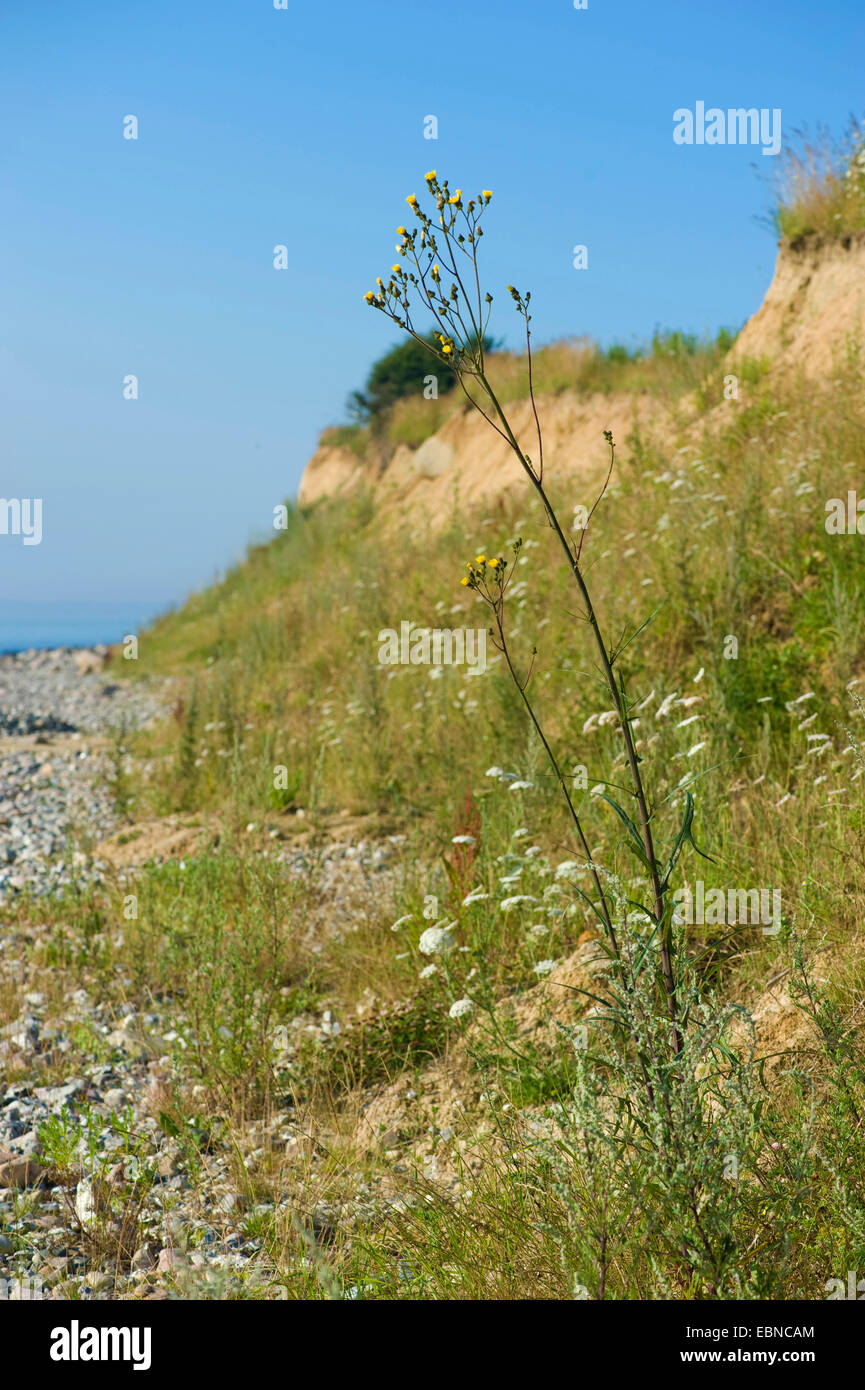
19 1171
144 1258
55 1097
433 458
169 1261
85 1202
167 1165
88 662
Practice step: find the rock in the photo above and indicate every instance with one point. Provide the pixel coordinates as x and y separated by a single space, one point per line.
433 458
99 1282
169 1261
115 1099
323 1225
232 1202
18 1171
26 1144
127 1043
87 662
85 1202
6 1245
55 1097
167 1165
144 1258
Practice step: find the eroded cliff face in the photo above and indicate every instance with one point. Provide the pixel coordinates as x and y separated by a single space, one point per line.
467 465
813 309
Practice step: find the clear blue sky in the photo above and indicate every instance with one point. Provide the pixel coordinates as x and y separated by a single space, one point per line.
305 127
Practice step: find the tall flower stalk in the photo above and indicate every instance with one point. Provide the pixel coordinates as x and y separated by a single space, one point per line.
437 273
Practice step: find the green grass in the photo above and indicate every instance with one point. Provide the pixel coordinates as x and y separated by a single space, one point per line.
277 667
821 189
672 366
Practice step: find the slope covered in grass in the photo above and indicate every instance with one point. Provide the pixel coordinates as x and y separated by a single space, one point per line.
745 679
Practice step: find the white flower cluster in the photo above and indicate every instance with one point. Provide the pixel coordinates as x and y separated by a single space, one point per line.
461 1008
436 941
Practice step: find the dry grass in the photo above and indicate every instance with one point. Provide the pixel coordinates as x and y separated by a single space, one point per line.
822 185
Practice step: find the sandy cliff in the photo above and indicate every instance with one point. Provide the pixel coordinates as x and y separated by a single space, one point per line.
813 309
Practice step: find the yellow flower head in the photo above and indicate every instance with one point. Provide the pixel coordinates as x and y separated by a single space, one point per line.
401 231
369 296
395 267
480 559
411 200
494 564
486 193
430 176
456 197
464 579
447 349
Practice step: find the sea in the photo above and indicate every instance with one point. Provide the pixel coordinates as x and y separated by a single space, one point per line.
44 625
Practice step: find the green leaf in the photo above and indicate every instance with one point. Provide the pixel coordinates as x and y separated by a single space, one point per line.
168 1126
633 832
684 837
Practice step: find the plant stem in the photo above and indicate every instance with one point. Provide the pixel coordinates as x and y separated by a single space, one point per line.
620 700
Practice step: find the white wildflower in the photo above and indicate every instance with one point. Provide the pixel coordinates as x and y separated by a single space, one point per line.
569 869
461 1008
800 699
545 967
436 941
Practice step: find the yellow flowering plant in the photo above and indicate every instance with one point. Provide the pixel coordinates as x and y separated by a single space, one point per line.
439 275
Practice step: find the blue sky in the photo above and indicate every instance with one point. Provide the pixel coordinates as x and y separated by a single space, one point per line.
305 127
